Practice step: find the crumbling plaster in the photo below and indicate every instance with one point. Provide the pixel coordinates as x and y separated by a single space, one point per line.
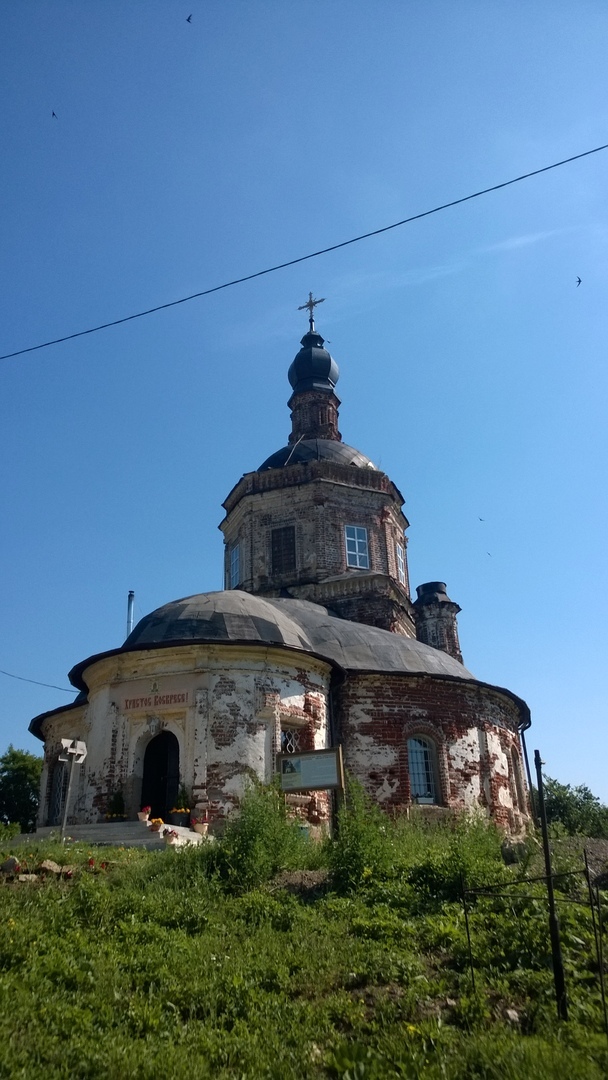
227 728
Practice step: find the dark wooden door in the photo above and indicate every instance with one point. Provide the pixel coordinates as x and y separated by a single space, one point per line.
161 774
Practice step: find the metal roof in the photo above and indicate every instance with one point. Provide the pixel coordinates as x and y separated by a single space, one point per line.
239 618
231 615
317 450
236 616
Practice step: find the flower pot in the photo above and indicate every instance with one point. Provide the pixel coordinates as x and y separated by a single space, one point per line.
179 819
154 827
141 816
201 827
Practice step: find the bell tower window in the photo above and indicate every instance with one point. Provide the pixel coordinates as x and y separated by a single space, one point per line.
357 553
283 550
401 563
234 567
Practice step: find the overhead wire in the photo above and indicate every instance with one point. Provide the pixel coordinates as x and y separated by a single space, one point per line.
304 258
37 683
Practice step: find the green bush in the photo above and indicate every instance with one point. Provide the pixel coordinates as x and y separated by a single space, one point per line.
20 773
576 809
372 850
6 831
466 854
260 841
363 848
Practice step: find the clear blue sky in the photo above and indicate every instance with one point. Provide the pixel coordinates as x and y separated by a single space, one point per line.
473 370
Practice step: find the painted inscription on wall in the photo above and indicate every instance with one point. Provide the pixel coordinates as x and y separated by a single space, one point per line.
155 694
155 701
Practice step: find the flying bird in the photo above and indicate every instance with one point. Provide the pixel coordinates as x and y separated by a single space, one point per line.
54 114
481 519
189 19
578 281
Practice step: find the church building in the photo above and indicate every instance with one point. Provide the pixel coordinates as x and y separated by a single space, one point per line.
314 642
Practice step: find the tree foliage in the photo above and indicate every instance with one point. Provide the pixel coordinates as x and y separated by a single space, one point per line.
19 788
577 809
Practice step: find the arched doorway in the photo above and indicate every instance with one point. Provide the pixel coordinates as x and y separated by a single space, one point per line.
161 774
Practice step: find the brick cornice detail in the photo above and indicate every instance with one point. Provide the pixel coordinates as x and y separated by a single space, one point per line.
352 476
355 585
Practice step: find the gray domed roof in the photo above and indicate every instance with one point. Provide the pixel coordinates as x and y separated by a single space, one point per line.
313 368
317 450
220 616
359 647
237 617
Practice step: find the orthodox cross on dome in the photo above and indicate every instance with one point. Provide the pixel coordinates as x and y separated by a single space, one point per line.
310 305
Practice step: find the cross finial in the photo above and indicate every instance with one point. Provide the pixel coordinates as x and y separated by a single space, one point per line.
310 305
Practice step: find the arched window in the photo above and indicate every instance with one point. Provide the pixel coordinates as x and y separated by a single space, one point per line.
422 767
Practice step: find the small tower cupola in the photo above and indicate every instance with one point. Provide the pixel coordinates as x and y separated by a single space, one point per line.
435 617
313 376
313 368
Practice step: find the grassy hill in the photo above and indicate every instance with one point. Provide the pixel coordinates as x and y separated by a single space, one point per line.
267 956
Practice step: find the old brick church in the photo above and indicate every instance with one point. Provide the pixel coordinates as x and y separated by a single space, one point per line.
315 641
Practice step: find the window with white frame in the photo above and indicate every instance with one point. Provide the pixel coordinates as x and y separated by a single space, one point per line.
234 567
422 770
357 552
401 563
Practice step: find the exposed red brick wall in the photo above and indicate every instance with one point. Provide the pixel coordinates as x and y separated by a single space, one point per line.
314 415
461 719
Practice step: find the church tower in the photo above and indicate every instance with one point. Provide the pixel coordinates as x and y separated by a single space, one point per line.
293 655
317 520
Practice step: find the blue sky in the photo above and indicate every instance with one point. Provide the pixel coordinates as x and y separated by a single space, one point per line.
473 370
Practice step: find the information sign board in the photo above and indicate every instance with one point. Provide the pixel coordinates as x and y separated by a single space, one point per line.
317 770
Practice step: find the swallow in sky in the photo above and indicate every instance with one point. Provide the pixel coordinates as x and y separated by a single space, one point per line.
54 114
189 19
578 281
481 519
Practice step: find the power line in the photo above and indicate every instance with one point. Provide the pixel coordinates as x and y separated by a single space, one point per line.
304 258
36 683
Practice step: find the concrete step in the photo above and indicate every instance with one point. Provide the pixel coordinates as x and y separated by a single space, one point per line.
114 834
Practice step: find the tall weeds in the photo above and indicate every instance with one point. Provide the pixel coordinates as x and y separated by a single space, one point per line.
260 841
433 858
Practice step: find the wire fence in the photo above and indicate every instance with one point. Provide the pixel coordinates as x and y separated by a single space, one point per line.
502 890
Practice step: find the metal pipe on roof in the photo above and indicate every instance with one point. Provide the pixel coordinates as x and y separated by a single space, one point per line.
130 603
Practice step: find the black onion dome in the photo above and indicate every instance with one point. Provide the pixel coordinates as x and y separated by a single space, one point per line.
313 368
317 450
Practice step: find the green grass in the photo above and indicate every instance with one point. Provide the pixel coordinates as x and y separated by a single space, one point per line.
195 963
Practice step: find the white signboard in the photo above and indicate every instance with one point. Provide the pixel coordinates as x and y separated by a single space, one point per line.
314 771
